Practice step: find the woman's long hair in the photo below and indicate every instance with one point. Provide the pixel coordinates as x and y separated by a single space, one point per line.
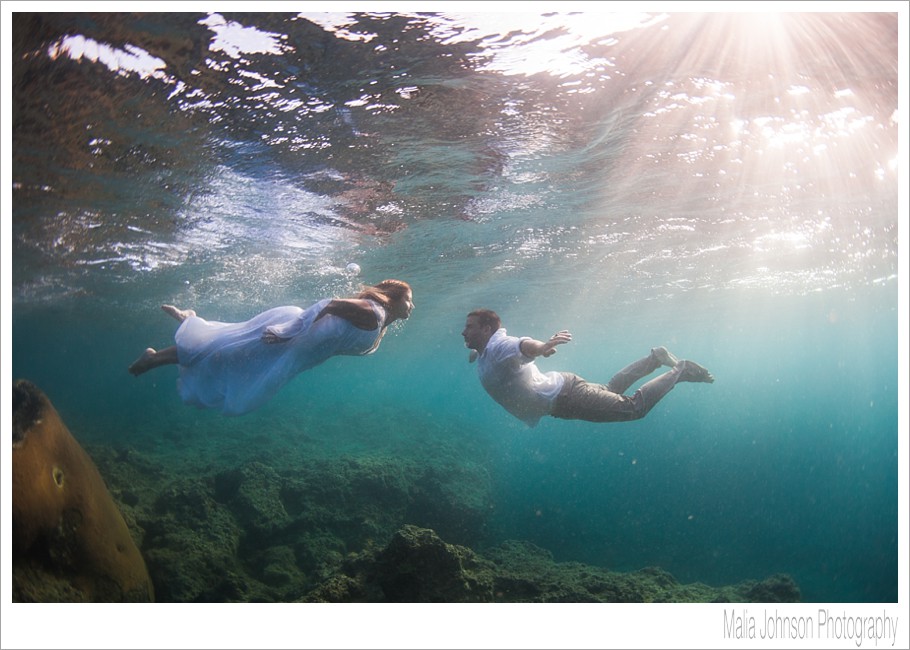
386 292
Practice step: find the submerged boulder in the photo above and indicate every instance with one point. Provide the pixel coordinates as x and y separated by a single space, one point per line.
70 541
779 588
418 567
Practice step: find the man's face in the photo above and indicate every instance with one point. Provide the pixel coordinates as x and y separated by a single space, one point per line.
475 335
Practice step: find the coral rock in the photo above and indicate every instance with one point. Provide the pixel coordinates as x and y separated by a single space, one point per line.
70 542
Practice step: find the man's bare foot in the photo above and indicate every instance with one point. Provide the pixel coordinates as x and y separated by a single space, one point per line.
180 314
665 357
691 371
143 363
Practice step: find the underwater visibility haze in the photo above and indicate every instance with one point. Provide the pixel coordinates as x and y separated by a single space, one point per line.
722 184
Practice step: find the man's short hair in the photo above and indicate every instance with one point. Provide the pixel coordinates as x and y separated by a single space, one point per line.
487 317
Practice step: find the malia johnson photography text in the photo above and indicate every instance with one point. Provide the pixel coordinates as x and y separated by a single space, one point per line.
742 624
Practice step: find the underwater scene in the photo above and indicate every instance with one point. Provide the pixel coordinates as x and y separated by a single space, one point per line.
724 185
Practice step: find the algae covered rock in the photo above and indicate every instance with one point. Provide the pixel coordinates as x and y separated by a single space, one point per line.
70 541
418 566
191 545
779 588
254 494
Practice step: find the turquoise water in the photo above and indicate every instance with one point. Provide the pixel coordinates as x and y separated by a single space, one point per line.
736 205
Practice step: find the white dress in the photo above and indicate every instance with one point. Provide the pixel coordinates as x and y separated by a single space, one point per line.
227 366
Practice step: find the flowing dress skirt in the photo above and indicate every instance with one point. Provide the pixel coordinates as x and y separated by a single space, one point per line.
227 366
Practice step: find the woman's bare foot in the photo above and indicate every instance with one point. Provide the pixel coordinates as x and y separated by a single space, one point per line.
180 314
143 363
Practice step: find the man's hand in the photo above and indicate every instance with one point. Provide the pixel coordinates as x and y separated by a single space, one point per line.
549 348
534 348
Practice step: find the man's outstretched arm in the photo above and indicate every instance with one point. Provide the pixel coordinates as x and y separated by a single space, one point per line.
534 348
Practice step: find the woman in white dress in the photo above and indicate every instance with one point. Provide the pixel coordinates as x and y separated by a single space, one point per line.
237 367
